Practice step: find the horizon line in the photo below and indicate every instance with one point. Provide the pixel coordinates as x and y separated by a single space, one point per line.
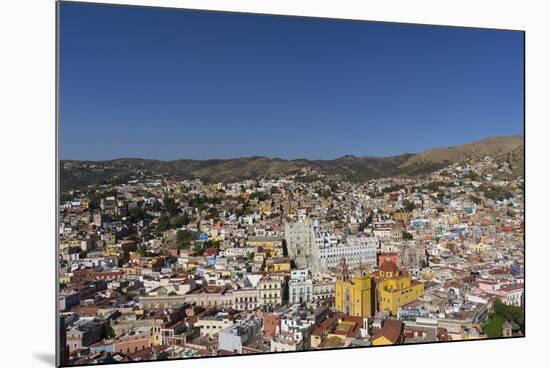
290 159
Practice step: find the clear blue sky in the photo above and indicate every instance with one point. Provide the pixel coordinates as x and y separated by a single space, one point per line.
169 84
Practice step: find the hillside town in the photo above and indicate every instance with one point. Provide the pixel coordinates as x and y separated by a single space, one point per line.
158 267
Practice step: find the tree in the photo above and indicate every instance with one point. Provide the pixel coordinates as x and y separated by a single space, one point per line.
493 327
500 314
185 237
169 204
509 312
142 250
199 249
212 213
182 220
95 200
407 235
163 223
65 197
137 213
408 206
212 243
109 332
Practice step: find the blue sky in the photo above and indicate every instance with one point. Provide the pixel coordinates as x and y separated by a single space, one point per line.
168 84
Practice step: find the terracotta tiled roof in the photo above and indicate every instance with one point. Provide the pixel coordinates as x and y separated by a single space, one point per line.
388 266
391 330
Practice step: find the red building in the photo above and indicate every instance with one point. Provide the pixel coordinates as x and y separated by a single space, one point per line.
271 322
383 257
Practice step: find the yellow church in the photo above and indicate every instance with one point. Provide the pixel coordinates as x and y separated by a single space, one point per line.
354 296
396 288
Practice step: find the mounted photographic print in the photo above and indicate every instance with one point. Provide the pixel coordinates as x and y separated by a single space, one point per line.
234 183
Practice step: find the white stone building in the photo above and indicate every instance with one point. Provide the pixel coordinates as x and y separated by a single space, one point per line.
300 287
300 240
212 324
356 249
324 287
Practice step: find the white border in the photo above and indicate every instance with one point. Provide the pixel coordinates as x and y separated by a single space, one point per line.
27 141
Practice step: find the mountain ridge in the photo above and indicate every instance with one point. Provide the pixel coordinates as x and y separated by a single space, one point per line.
76 174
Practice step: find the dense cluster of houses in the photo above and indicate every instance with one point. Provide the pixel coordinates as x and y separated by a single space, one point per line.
162 268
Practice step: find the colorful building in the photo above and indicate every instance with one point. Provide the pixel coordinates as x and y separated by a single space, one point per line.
396 288
354 296
272 245
278 265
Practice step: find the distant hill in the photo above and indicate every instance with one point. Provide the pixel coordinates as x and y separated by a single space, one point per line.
515 158
441 157
79 174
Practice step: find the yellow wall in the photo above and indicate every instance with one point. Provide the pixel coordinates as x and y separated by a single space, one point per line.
427 273
398 291
279 267
265 208
479 248
282 267
267 245
360 299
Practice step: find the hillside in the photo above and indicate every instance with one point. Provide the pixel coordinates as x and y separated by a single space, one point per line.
441 157
79 174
